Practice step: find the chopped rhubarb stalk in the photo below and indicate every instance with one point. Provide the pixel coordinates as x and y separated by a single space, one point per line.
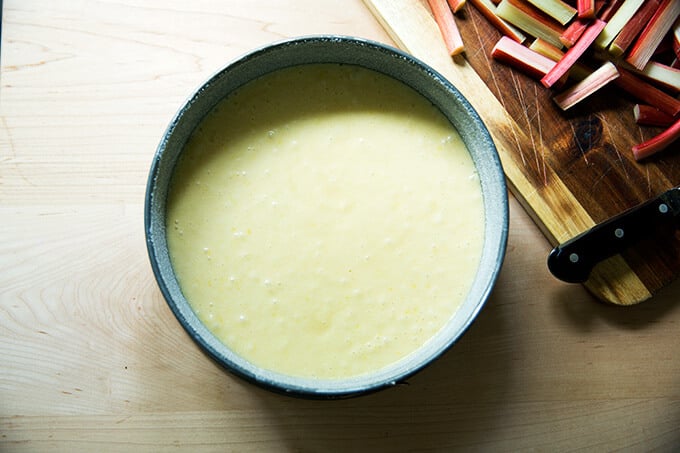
647 93
570 57
646 115
556 9
573 32
651 36
456 5
530 20
578 26
599 4
447 25
616 23
633 28
586 9
578 71
521 58
657 143
575 94
665 76
488 10
546 49
609 9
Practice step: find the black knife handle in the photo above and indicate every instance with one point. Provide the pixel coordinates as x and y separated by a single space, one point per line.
573 260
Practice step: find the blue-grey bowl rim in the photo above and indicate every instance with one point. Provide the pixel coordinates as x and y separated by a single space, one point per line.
497 221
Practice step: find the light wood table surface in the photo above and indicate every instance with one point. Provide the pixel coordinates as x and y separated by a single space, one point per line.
92 357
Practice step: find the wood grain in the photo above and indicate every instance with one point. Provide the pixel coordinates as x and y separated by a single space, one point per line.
570 170
92 357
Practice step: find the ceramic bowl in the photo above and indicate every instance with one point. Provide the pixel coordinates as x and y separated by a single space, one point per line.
371 55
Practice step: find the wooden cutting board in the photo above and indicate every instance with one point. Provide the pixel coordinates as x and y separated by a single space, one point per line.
569 170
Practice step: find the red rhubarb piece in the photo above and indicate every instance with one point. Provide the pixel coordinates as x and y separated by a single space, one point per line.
572 55
654 32
647 93
657 143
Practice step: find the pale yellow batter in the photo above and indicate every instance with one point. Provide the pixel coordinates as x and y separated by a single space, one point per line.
325 221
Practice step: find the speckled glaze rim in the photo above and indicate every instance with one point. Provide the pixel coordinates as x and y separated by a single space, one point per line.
345 50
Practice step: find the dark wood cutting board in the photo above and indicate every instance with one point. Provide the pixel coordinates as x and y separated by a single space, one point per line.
569 170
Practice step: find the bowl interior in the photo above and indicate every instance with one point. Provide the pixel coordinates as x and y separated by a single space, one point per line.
377 57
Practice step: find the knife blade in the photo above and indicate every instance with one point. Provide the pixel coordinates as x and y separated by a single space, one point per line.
574 260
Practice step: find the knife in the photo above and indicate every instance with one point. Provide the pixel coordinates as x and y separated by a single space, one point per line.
573 260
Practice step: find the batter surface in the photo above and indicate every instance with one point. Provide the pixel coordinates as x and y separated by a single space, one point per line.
325 221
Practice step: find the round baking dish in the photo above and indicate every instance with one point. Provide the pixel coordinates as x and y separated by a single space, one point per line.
344 50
